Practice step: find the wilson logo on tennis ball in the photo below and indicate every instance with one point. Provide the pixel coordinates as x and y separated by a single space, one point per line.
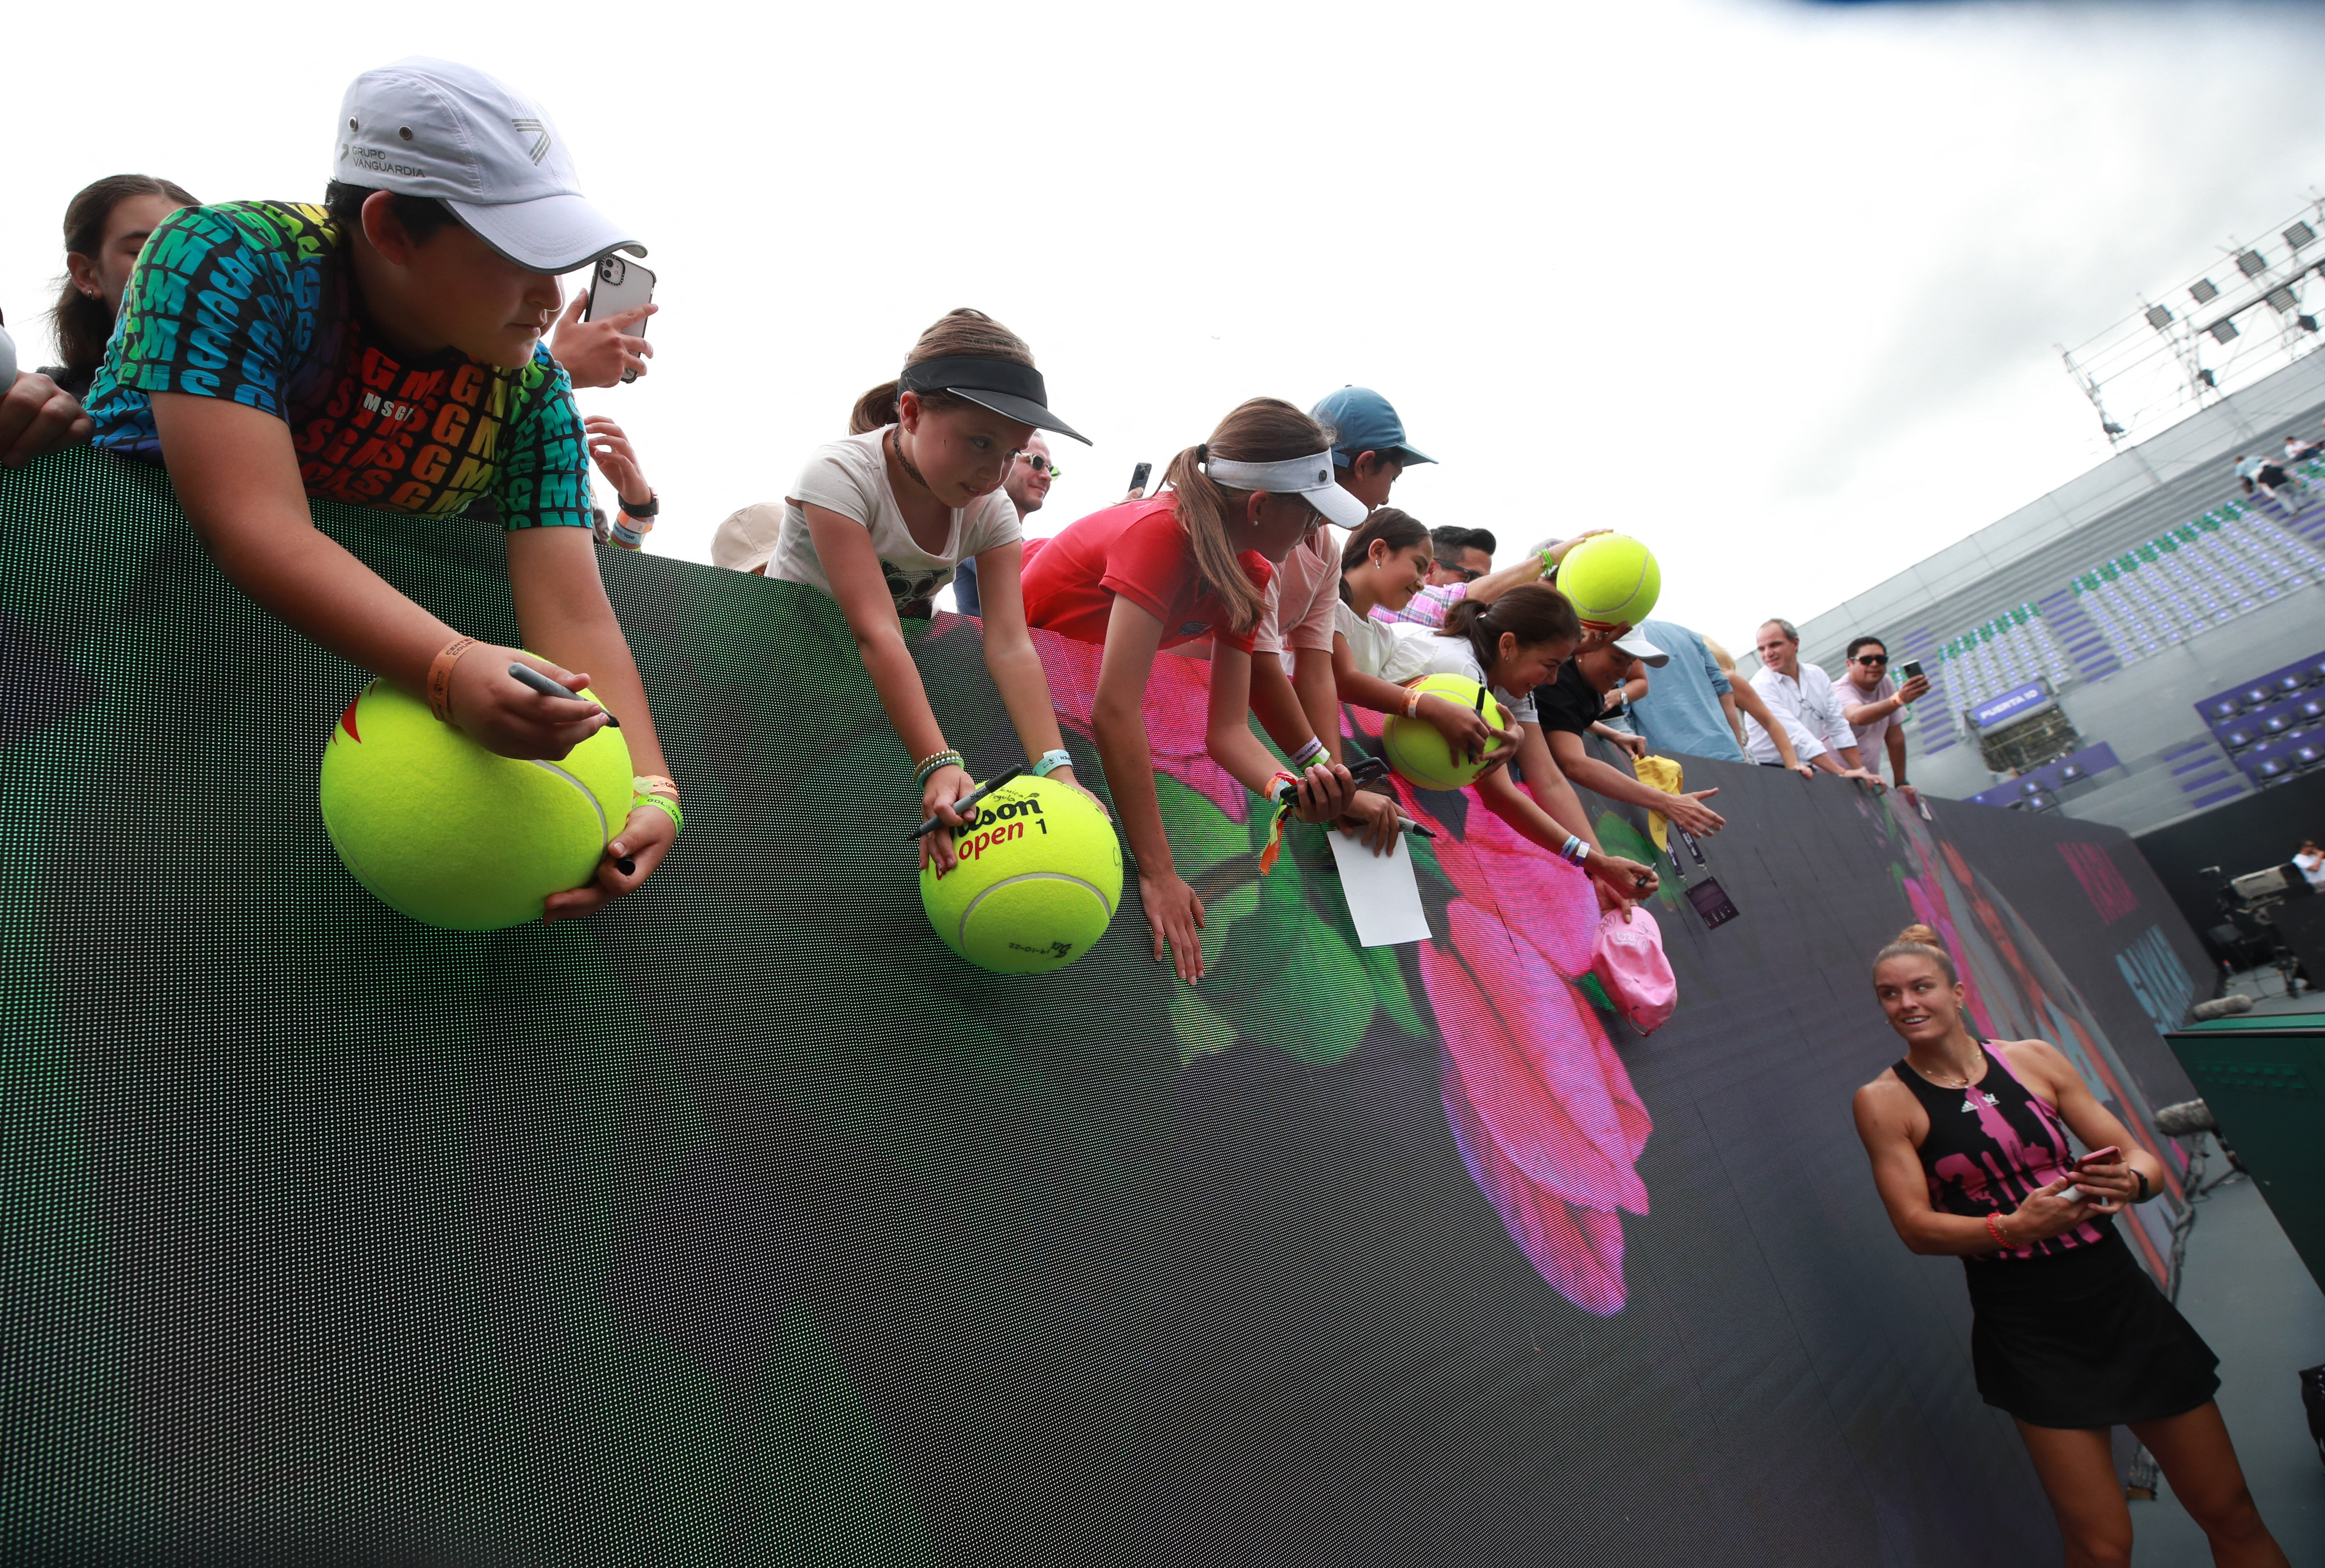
1037 880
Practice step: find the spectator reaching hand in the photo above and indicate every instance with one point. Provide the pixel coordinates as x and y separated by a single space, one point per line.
598 353
618 461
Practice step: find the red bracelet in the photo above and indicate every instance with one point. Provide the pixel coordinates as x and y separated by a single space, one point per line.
2001 1238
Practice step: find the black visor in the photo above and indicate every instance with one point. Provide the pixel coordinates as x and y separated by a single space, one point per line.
1006 387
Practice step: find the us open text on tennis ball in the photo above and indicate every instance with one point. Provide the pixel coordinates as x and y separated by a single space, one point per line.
1037 878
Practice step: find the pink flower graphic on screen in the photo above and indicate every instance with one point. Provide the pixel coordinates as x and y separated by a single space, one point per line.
1540 1107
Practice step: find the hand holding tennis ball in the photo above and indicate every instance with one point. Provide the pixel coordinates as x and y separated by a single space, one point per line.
457 836
1612 579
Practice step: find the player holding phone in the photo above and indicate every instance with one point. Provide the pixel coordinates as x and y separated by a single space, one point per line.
1968 1143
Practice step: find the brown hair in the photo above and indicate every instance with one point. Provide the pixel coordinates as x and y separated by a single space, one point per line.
962 331
83 324
1920 941
1399 530
1531 613
1265 429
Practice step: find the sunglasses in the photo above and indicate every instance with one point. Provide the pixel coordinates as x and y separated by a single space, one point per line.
1040 464
1873 661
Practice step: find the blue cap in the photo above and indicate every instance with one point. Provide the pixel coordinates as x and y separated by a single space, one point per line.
1362 421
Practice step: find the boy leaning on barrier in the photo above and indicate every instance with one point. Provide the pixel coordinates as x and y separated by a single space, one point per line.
385 349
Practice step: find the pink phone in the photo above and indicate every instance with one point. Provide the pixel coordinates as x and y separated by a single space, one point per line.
2109 1156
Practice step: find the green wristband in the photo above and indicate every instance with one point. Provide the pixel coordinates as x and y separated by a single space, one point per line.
662 802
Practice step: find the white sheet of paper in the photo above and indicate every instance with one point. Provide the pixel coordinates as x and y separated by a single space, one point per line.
1384 895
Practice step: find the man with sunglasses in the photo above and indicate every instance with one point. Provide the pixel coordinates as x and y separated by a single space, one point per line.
1870 701
1027 486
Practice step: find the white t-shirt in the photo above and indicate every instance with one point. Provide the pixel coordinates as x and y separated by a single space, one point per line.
850 477
1409 658
1369 641
2312 867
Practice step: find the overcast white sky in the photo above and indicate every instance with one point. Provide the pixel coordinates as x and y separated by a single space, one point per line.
1772 286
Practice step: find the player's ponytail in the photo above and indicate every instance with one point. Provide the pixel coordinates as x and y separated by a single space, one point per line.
1266 429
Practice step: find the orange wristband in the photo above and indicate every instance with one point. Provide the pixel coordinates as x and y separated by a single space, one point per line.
1413 704
440 677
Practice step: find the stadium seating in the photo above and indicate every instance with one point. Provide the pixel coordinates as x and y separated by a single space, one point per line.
2192 579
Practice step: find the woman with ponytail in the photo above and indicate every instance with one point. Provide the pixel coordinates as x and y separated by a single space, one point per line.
106 226
1969 1142
1512 645
880 520
1195 562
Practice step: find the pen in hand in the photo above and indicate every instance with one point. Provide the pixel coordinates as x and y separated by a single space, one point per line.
960 807
527 676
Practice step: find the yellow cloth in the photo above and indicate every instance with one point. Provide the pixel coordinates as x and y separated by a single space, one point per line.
1659 772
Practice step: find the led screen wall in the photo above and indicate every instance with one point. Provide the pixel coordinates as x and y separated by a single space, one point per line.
743 1223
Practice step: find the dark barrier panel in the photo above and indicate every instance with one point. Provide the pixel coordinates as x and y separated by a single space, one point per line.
743 1223
2249 833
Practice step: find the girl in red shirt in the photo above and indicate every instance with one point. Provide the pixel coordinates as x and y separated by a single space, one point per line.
1195 562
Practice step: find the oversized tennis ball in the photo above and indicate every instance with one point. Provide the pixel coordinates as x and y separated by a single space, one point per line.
1419 752
454 835
1612 579
1039 879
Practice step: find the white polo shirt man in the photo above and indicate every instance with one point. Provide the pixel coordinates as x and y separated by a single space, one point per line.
1803 700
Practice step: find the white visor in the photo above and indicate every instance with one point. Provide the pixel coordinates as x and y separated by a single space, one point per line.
1308 477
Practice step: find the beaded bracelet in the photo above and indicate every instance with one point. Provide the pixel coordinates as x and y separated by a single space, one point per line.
2001 1238
929 767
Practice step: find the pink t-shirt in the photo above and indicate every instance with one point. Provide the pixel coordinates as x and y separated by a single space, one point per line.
1872 740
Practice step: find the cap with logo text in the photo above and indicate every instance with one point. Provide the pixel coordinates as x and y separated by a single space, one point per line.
434 127
1361 421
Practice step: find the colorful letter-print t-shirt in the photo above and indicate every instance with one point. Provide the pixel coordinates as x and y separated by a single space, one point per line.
253 302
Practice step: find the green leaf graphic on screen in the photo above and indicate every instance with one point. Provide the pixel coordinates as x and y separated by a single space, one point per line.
1618 837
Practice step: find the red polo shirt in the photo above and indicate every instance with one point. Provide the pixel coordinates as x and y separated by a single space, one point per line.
1138 551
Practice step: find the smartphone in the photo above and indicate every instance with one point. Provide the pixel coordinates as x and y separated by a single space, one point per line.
2109 1156
1138 476
1911 669
615 286
1368 771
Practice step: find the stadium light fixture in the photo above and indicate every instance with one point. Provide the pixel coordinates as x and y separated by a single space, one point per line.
2249 262
2203 292
2158 317
2281 299
2299 235
2223 330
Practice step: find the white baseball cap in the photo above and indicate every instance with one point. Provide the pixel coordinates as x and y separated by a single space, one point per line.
431 128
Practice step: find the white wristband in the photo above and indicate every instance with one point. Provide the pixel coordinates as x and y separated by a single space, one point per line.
1312 752
1049 762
